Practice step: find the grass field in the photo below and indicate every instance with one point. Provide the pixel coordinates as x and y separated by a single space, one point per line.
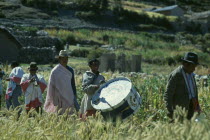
150 122
152 46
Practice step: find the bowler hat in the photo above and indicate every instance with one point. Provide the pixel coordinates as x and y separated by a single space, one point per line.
33 66
191 57
90 62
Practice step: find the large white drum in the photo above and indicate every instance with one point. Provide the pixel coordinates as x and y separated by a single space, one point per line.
117 98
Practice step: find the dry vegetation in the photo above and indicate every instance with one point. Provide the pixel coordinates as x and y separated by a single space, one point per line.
150 122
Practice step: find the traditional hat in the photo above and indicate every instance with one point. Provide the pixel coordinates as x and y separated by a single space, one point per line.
191 57
62 53
33 66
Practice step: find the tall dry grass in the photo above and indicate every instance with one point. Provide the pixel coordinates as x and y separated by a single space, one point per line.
150 122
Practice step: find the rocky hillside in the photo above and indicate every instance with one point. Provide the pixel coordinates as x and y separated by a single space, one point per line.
72 14
119 23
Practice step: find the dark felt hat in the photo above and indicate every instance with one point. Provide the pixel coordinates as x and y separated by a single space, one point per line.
191 57
91 61
33 66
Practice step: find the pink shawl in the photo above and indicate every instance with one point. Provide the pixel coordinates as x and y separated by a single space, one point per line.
59 93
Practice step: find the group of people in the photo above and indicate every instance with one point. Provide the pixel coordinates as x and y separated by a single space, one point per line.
61 89
181 89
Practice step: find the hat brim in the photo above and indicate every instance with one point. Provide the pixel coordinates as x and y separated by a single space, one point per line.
33 68
189 61
57 56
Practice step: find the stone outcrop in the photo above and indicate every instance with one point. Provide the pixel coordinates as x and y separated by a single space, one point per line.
111 62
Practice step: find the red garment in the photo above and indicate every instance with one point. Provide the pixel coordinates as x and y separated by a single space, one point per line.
196 105
33 104
88 113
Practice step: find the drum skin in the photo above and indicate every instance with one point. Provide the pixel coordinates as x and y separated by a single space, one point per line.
117 98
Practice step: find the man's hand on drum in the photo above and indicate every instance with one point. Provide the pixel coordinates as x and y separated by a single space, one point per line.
96 86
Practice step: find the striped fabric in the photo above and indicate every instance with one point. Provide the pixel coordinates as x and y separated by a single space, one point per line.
15 78
33 91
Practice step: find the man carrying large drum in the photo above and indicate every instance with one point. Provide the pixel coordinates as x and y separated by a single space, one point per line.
90 83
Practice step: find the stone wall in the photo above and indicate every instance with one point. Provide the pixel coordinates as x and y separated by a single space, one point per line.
107 62
37 46
40 41
40 55
120 63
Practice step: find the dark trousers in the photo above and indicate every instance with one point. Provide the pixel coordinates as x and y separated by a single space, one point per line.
13 100
190 111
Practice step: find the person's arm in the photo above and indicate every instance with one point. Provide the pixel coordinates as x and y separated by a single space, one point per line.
87 83
73 81
73 85
169 94
42 84
24 83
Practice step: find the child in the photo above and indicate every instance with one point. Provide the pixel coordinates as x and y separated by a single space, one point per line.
33 85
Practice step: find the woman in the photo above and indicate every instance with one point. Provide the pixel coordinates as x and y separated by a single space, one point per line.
33 85
90 83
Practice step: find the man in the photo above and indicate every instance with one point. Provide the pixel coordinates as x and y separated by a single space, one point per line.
61 93
90 83
181 89
33 86
13 89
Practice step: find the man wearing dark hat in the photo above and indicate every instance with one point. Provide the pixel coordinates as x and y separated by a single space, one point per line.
33 86
181 89
61 92
91 81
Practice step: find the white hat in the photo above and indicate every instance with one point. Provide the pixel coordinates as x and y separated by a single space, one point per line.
63 53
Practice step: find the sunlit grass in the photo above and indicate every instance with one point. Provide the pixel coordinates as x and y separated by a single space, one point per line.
150 122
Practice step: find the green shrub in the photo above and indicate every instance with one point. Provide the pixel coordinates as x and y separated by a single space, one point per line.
80 53
32 30
90 15
164 37
70 39
148 27
96 6
117 40
95 53
126 15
